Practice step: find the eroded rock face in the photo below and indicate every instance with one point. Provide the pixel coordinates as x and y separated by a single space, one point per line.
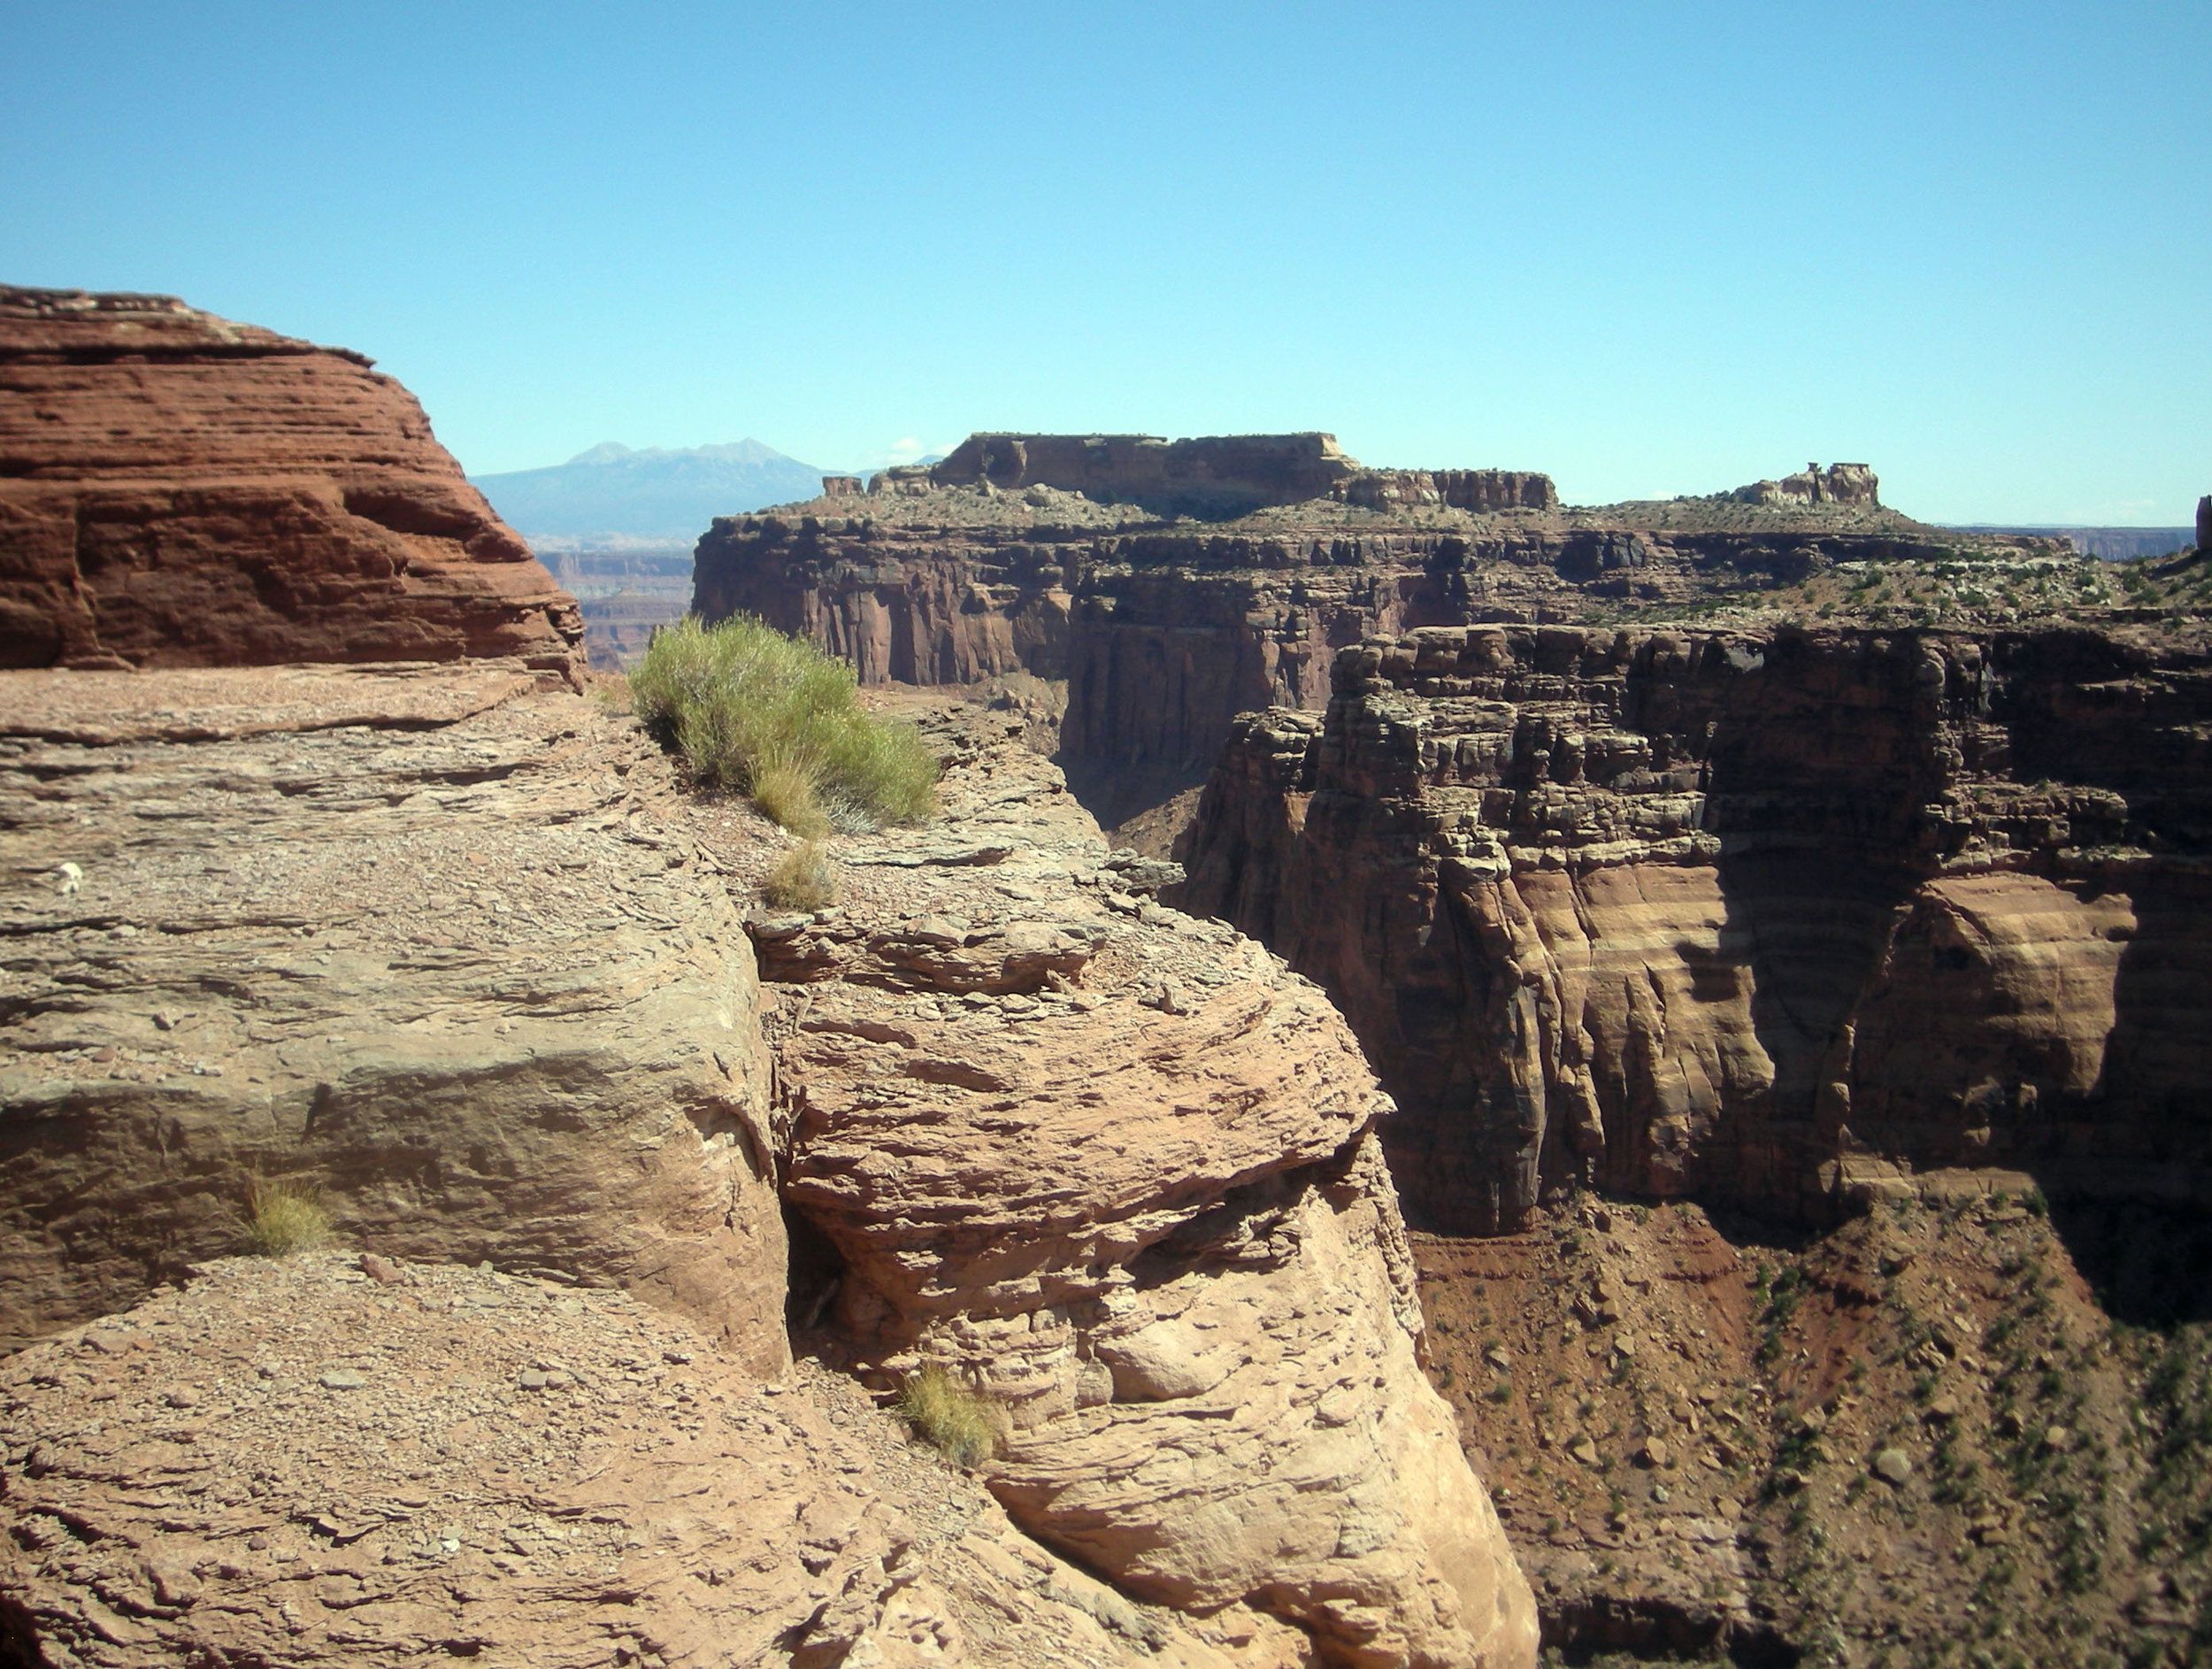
1117 1167
1038 556
1838 484
301 1462
428 940
178 490
1756 915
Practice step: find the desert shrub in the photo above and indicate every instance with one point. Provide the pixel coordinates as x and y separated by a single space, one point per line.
752 709
802 879
284 1218
960 1423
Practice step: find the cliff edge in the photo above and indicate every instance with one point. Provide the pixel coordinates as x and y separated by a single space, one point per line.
179 490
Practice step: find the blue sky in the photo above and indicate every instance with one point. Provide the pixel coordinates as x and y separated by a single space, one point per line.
1651 249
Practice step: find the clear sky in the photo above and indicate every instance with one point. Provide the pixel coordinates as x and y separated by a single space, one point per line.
1650 248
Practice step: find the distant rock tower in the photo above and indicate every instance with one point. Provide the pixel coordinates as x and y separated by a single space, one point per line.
2204 522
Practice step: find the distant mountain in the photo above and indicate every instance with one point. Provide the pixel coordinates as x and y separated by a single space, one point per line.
613 493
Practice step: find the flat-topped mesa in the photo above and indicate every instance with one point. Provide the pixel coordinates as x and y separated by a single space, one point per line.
1216 476
1838 484
1212 475
177 489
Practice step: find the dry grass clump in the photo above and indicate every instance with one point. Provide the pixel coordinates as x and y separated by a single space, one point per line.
962 1424
773 717
802 879
284 1218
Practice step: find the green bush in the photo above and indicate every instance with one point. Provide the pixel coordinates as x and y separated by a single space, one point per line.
773 717
284 1218
961 1424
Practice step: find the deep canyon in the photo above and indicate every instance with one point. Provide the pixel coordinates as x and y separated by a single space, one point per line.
1760 938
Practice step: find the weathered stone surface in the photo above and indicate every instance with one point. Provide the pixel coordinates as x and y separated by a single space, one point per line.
178 490
1763 916
427 938
521 1474
1116 1167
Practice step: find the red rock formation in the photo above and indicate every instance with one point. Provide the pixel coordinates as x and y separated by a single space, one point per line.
1770 916
1050 556
178 490
1212 474
1162 636
1854 484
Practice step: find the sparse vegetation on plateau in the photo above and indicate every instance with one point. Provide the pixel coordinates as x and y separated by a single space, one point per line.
774 717
284 1218
802 879
960 1423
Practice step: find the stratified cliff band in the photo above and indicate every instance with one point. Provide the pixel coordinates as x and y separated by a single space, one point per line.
178 490
1765 916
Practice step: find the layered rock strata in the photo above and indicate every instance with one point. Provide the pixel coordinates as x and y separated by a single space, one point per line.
1116 1168
426 939
341 1461
178 490
1771 917
1214 476
1037 556
477 979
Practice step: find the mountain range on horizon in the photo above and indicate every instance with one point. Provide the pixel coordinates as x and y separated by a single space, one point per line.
614 493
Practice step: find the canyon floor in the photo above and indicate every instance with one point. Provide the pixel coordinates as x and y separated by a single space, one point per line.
1918 1439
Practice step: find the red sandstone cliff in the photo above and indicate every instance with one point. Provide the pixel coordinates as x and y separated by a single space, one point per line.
1766 916
1168 586
178 490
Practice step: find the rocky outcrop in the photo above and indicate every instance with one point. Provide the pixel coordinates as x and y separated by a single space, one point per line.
1481 490
1854 484
429 940
1116 1168
1213 475
1769 917
353 1461
178 490
2204 522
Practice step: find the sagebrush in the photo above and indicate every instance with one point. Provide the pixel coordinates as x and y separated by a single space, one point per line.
960 1423
755 710
284 1218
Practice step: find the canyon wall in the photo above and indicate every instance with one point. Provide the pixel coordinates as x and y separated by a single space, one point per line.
1162 635
1774 917
179 490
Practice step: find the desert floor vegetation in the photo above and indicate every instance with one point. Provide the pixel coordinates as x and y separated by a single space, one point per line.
771 716
960 1423
802 879
284 1218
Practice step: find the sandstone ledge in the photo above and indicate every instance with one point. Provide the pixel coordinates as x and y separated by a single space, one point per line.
414 934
